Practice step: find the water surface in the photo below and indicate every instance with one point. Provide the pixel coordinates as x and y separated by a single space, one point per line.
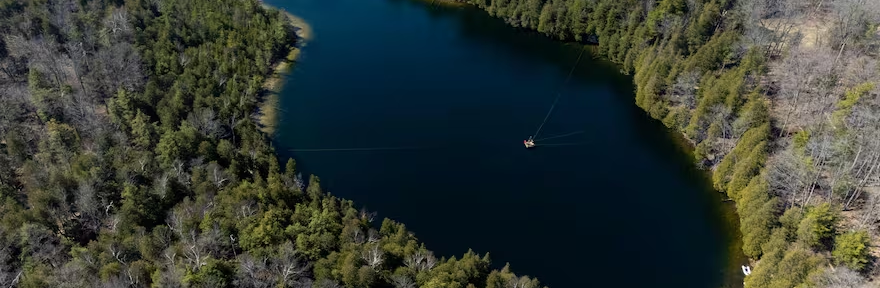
622 206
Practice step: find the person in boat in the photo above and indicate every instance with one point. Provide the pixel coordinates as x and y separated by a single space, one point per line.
529 143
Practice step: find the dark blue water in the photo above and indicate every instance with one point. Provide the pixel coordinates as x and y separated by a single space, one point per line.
619 205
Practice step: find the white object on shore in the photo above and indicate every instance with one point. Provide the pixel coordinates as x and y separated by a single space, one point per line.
747 270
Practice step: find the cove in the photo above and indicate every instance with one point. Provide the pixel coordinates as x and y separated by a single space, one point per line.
620 205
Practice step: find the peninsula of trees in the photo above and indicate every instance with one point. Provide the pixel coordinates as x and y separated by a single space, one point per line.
129 157
780 98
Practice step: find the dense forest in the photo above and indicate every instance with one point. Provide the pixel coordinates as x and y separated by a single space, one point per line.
780 99
129 157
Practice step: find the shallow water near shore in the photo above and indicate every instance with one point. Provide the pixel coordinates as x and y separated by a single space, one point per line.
619 205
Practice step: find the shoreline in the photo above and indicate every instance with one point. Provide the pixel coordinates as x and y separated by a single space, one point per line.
727 208
446 3
268 103
268 108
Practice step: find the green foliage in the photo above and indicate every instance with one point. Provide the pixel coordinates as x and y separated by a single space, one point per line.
226 149
140 206
470 269
795 267
774 250
176 145
43 97
754 113
122 107
748 145
844 106
153 171
758 216
505 278
783 265
818 225
712 55
799 146
659 41
366 277
746 169
142 131
800 139
677 117
215 273
851 249
61 137
267 231
318 233
790 221
700 32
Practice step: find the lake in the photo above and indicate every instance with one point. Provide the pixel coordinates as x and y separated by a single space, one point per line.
441 99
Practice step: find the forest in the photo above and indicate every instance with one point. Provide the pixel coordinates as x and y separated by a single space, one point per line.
780 99
130 157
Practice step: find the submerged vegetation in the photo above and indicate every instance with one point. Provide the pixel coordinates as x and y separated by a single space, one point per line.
780 98
129 157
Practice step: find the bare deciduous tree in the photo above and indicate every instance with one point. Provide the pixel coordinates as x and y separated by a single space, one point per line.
115 281
367 215
840 277
357 236
194 252
13 100
254 272
421 260
217 244
117 27
373 256
217 174
786 174
852 19
870 213
247 208
205 121
288 267
685 89
858 69
402 281
115 67
299 183
78 56
72 275
721 114
326 283
10 273
286 270
162 185
800 76
170 276
43 246
180 170
89 210
770 22
373 236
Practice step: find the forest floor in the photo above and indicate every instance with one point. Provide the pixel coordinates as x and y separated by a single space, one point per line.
268 108
812 31
811 28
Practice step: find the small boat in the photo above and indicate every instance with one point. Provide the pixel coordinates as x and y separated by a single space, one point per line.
746 270
530 143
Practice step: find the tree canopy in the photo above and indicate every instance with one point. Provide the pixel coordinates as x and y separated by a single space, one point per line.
129 157
775 95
